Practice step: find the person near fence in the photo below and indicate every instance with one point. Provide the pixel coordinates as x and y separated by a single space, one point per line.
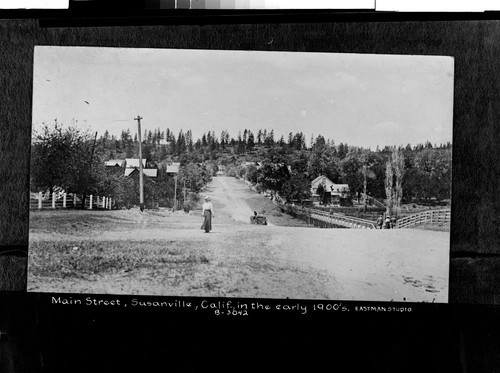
393 222
380 221
208 214
387 223
320 191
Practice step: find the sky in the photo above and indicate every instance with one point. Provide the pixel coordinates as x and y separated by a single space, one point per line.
360 99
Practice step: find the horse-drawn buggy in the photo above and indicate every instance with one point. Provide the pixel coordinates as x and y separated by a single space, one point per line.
258 219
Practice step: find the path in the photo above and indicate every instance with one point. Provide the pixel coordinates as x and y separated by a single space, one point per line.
228 196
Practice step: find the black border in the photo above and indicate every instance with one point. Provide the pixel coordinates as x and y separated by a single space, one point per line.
435 337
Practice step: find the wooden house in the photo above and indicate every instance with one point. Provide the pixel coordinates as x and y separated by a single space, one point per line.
340 190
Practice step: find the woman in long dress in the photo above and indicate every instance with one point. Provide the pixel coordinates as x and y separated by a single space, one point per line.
208 213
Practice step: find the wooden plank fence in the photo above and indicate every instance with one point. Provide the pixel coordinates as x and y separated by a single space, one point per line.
325 219
336 219
41 201
431 216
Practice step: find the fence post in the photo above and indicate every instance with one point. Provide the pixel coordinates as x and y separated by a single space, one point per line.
110 203
53 200
74 199
90 202
64 200
40 198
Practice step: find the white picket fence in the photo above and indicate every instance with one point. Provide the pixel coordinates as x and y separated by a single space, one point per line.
39 201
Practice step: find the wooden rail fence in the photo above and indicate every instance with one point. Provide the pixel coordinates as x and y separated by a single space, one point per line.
325 219
39 201
430 216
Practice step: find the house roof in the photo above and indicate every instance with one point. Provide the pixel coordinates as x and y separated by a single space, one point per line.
319 178
173 168
134 162
336 187
150 172
114 162
255 163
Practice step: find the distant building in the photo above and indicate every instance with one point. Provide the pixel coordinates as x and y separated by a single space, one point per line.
149 172
134 162
255 164
173 168
115 163
329 186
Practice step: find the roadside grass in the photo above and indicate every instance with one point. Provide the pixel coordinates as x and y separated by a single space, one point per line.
61 221
84 259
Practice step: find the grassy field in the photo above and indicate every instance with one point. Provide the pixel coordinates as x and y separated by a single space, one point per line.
156 252
166 253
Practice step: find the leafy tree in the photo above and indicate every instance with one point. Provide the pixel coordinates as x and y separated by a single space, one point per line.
297 187
62 157
432 177
395 171
274 170
274 176
351 172
299 161
195 176
252 174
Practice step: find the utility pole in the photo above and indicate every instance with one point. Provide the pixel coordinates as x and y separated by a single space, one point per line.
90 169
175 193
184 190
141 177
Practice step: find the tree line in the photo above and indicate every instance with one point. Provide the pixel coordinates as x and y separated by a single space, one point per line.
63 157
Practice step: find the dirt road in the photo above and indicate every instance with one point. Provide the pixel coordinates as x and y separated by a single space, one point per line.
164 253
228 196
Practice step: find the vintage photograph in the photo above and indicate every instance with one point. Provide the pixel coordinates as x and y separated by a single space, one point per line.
224 173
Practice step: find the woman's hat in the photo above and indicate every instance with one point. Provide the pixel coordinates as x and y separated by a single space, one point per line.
207 198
